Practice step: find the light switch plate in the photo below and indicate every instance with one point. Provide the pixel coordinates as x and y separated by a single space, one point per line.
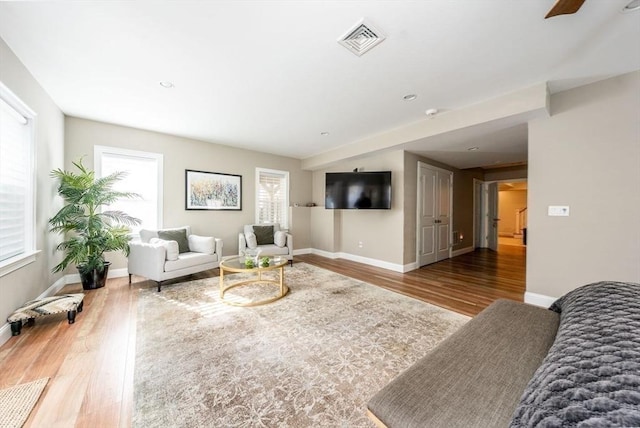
559 210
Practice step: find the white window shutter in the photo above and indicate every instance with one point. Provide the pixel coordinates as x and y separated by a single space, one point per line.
272 197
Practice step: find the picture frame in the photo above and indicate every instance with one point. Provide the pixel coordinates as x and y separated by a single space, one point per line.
212 191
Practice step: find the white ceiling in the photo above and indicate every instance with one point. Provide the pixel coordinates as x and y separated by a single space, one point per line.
270 76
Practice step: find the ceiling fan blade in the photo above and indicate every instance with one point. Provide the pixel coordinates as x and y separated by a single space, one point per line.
564 7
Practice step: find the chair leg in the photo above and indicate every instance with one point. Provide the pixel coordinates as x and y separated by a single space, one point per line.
159 285
291 262
129 279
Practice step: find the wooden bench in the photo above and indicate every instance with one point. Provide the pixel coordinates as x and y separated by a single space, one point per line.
27 313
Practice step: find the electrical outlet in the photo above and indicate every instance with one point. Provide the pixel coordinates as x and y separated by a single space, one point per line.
360 245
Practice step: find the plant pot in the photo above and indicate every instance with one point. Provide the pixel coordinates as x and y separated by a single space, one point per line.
94 279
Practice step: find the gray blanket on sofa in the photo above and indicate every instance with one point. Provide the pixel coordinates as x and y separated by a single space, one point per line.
591 375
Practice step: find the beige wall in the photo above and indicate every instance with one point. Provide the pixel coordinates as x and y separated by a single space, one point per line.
390 235
587 156
380 231
506 173
183 153
508 202
32 280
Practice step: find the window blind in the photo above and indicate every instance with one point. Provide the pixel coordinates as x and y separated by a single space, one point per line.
16 181
272 197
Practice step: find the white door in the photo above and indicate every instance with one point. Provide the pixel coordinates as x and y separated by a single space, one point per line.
493 219
427 179
478 210
443 214
434 214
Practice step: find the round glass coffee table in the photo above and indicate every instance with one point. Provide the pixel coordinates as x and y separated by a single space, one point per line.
237 265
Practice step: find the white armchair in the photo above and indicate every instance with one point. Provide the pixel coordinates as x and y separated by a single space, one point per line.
165 254
268 238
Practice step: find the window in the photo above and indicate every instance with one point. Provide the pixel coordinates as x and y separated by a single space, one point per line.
144 177
272 197
17 178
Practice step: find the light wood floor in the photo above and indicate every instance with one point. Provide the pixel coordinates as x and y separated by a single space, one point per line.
90 363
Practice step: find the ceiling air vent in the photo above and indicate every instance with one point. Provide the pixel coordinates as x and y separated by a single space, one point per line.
362 38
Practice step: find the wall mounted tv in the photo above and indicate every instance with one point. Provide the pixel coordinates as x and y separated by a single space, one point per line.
358 190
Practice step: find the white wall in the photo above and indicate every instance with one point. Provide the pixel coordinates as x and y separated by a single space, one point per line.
587 156
32 280
183 153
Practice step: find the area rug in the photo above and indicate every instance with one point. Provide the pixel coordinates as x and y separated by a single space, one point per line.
17 402
311 359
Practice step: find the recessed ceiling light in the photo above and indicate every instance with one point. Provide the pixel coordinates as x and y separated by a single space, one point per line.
473 149
431 112
410 97
632 6
324 134
166 84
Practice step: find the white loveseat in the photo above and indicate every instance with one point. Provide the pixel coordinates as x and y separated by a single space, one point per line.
160 259
280 244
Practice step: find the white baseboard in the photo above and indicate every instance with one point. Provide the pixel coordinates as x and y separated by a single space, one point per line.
372 262
365 260
302 251
462 251
409 267
539 299
323 253
5 330
113 273
5 333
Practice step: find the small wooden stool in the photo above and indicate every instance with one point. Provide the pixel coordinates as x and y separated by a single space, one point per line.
27 313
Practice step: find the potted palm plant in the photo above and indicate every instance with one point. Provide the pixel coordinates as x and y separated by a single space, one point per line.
89 231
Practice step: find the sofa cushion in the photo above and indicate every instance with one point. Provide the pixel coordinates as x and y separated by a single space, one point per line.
280 238
171 247
248 228
147 235
252 242
189 259
264 234
202 244
474 377
591 376
273 250
178 235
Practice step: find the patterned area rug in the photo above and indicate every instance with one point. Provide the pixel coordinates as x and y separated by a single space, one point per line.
18 401
313 358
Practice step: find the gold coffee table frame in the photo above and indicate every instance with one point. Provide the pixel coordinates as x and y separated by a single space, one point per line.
236 265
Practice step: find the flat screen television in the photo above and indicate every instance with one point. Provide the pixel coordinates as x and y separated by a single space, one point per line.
358 190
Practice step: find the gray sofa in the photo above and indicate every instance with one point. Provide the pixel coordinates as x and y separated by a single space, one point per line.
517 365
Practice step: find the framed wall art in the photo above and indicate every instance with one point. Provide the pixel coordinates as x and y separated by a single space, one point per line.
212 191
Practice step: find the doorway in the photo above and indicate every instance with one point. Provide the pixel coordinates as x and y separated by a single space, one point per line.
500 209
513 212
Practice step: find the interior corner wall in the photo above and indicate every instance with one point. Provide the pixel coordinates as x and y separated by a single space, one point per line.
380 231
587 156
183 153
32 280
